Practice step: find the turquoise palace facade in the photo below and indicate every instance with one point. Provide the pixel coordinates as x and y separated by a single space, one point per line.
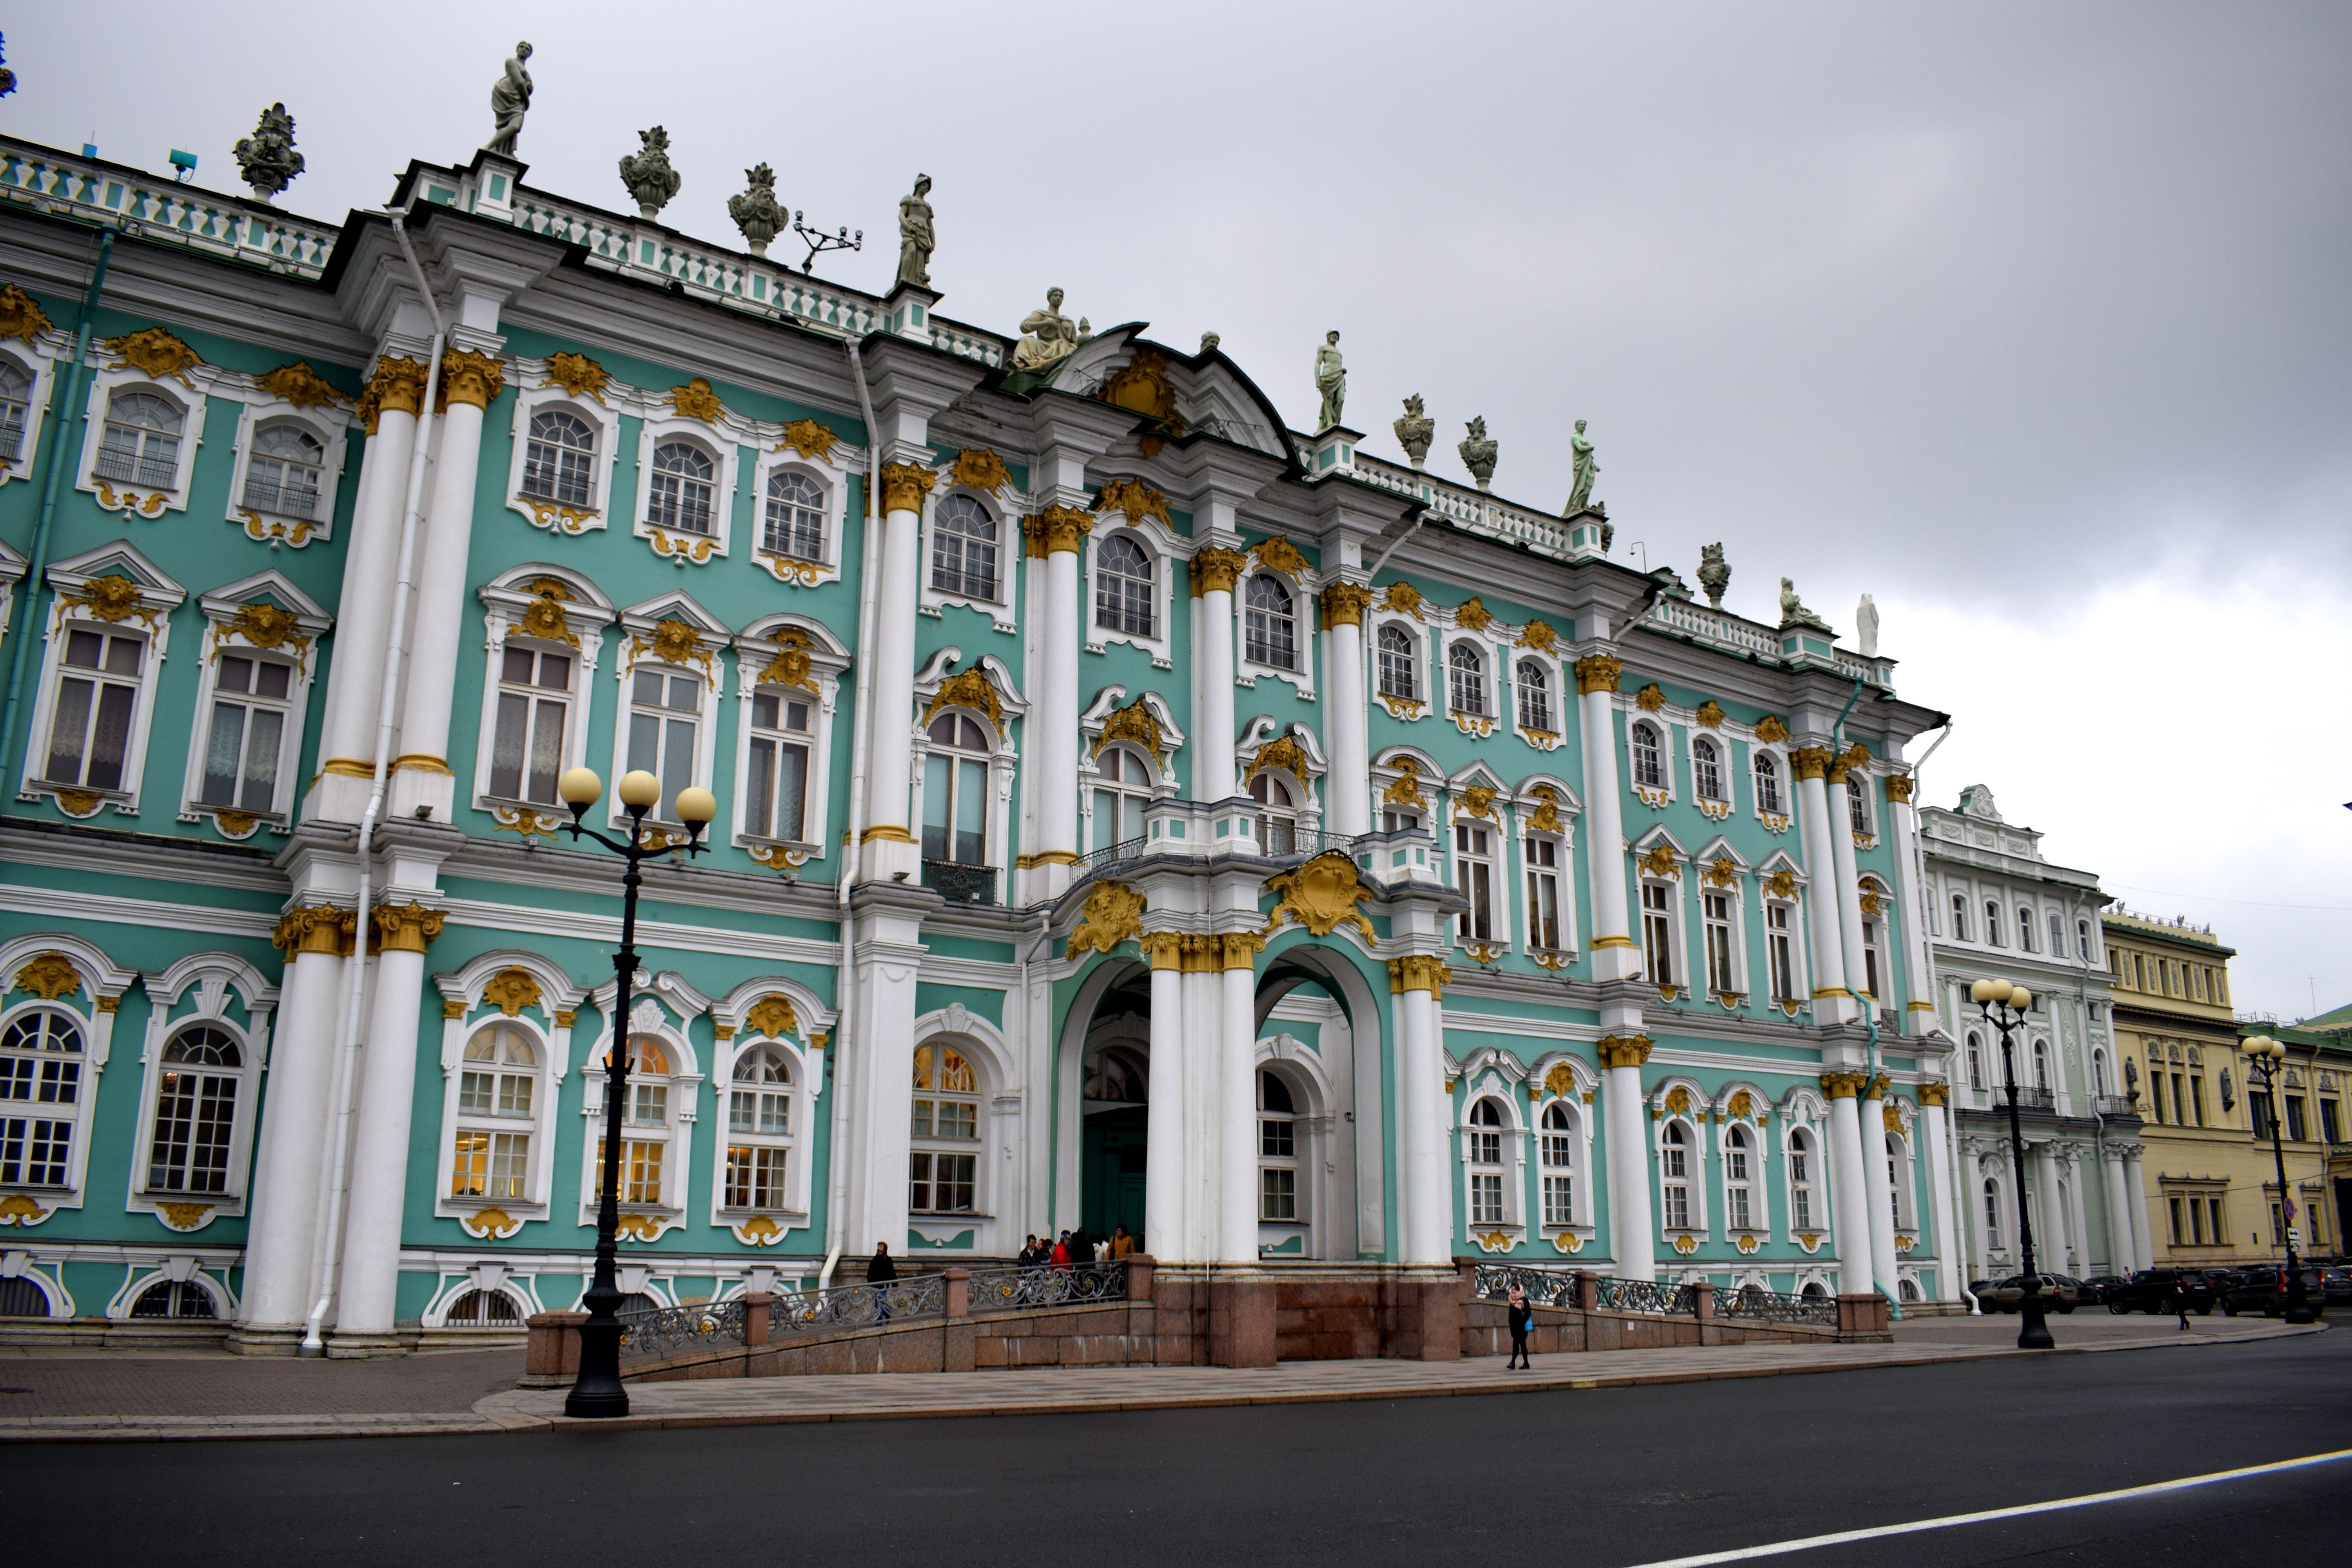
1131 810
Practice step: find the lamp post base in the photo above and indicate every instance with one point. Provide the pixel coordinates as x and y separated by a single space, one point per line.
597 1393
2034 1332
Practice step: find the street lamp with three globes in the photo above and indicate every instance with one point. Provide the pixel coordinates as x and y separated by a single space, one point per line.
2005 1004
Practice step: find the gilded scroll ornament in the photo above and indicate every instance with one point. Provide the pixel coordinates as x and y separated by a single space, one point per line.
1279 554
1406 790
967 689
1769 730
1479 800
1873 900
978 468
1721 872
904 486
1781 884
1811 761
1321 895
182 1216
49 975
235 823
80 802
1660 860
1623 1051
1742 1104
130 503
1678 1100
1598 672
1404 599
772 1017
1282 752
1133 722
1473 614
156 354
577 374
1135 499
22 1212
490 1224
1651 697
1710 714
809 438
300 386
1891 1114
511 990
673 641
1141 386
1215 570
467 376
1539 636
1114 912
694 400
396 387
112 597
266 626
1344 605
20 316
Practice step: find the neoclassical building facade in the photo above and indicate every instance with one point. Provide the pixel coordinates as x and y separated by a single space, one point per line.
1131 810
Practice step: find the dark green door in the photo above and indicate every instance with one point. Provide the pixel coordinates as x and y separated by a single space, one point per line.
1111 1174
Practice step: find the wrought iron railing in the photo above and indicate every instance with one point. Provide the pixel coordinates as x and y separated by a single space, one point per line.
1550 1287
1545 1286
666 1331
996 1288
959 883
1656 1296
1305 842
1111 854
1753 1303
859 1306
2028 1099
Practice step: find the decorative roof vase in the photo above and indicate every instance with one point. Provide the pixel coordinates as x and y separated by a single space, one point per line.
1478 451
646 173
1415 431
757 212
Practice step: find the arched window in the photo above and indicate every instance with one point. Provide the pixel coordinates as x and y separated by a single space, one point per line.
1649 758
794 524
2082 940
645 1122
1976 1062
2057 936
963 549
1908 1289
284 471
760 1130
2041 1065
1465 678
1123 586
1535 697
1271 634
955 790
1397 665
1768 784
195 1112
1814 1291
1557 1152
1959 917
1277 817
1895 1176
1801 1180
559 461
1707 769
1123 789
1991 1214
1857 805
173 1298
1737 1179
1673 1171
40 1094
1277 1149
483 1309
1992 923
141 440
682 488
15 406
943 1165
1483 1145
20 1297
2099 1074
498 1100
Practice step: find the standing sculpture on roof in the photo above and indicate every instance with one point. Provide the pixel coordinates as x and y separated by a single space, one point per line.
1580 490
917 238
1331 381
267 157
1866 626
510 100
1047 337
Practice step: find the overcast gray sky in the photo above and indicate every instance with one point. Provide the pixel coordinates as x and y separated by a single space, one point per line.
2030 320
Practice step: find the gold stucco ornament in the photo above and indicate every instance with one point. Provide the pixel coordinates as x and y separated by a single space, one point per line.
1321 895
1114 912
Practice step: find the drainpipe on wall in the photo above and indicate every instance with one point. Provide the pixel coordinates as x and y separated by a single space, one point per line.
387 713
62 409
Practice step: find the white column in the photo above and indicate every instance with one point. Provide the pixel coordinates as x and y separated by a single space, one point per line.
2136 1196
1203 1009
1350 806
1877 1182
1832 1003
1237 1103
1214 572
1850 1197
290 1151
2074 1167
380 1150
1426 1195
1950 1240
1972 1181
1918 964
1849 886
2049 1214
422 778
1615 955
1052 730
889 846
1633 1237
1164 1149
2122 1255
886 926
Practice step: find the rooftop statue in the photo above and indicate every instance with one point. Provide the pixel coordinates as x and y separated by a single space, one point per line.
1415 430
1478 452
1579 489
268 157
1047 337
1866 626
1209 341
1714 573
510 100
757 212
917 238
648 175
1331 381
1793 613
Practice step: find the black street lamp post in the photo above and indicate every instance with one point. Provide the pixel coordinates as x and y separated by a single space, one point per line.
597 1390
2265 1056
2005 1003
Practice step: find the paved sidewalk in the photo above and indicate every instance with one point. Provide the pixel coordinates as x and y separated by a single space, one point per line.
169 1408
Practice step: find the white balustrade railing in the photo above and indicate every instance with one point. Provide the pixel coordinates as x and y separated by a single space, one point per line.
147 208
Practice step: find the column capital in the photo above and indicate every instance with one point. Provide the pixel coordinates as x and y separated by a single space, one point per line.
1598 672
1240 949
1854 756
1877 1087
315 928
1056 530
1418 972
1936 1094
468 375
1215 570
904 486
1843 1085
1812 762
396 387
1344 604
1165 949
1898 788
1625 1050
406 928
1199 955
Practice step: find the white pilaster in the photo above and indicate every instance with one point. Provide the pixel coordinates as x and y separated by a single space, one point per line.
1850 1198
1848 890
1053 730
1203 1050
1212 644
886 926
364 618
2122 1253
1919 968
2049 1216
379 1169
2075 1168
1427 1199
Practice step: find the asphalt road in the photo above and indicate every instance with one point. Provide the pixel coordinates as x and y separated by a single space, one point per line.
1602 1478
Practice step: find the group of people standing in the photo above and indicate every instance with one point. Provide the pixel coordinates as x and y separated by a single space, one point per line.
1076 1249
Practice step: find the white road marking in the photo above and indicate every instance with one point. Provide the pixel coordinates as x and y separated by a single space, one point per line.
1843 1536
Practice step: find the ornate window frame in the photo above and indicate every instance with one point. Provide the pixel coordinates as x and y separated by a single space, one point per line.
746 1019
1667 871
831 475
1263 732
1781 882
1167 555
1299 1069
665 1006
802 653
1657 796
1691 1121
1475 798
1802 1110
1774 822
142 501
717 444
1545 807
1858 785
1560 1077
1723 870
214 977
995 1194
1305 630
515 606
589 409
514 987
1484 1087
1012 555
647 643
294 634
1755 1119
38 358
74 604
938 692
1560 695
55 972
327 424
1418 633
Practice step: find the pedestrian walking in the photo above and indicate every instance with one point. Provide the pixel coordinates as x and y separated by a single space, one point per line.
1521 1315
880 1270
2180 1305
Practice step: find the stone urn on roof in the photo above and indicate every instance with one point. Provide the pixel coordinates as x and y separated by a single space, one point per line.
646 173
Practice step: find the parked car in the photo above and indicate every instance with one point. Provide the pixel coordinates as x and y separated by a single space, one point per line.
2155 1290
2096 1287
2264 1290
2063 1292
2339 1287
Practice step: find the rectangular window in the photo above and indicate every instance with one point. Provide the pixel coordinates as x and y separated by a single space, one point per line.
1473 874
1802 1207
2258 1108
2331 1126
1870 985
1658 932
641 1171
776 782
1718 944
2057 937
1485 1199
194 1116
34 1152
2213 1206
955 796
535 702
241 754
755 1110
1543 894
2197 1098
755 1175
2295 1119
1677 1206
2278 1227
97 690
2180 1099
664 707
942 1183
1779 939
1277 1194
1560 1200
1277 1139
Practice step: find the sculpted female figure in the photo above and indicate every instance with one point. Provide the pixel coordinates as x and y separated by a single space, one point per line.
916 239
509 100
